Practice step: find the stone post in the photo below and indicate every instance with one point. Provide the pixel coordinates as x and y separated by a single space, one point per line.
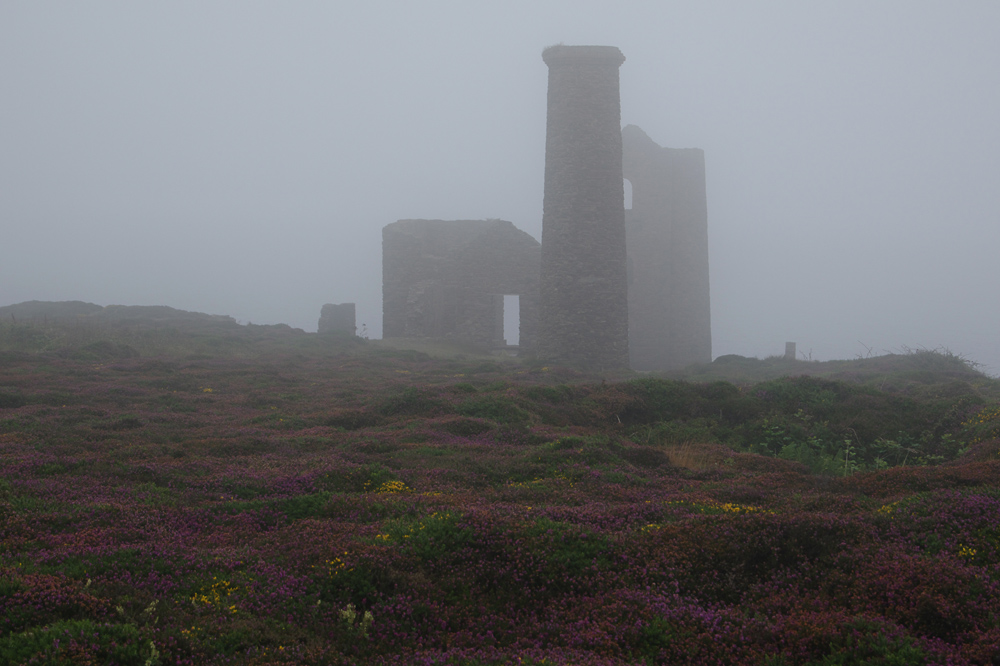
790 351
584 289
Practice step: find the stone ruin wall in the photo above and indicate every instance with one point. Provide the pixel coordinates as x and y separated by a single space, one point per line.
667 235
338 318
447 279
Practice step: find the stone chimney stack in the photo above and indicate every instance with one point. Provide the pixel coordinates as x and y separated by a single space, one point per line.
584 289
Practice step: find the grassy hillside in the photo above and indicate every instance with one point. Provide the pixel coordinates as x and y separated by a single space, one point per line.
178 488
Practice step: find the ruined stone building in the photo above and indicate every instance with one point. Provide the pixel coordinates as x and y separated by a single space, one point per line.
447 279
338 318
669 323
607 288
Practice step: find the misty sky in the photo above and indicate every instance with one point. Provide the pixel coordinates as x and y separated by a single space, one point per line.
242 157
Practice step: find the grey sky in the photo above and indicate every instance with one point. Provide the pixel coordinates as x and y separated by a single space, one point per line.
242 157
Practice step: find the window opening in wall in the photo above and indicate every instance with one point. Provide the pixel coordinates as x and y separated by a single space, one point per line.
628 194
512 319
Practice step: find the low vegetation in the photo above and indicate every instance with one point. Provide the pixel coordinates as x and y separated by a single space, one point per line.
179 490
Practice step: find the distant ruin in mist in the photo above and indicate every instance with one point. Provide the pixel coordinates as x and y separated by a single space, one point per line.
337 318
448 279
607 287
669 319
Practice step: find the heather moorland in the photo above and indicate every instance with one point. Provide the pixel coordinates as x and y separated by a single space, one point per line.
182 489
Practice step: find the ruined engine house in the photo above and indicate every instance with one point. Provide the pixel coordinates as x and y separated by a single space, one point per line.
607 287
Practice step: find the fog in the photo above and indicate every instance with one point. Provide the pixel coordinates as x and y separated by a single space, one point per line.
241 158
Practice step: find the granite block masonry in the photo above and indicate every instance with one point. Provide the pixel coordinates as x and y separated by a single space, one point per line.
337 318
584 289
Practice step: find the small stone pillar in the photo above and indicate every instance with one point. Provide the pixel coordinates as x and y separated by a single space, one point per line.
337 318
584 288
790 351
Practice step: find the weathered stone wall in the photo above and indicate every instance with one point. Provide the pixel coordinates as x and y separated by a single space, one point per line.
338 317
584 301
447 279
667 234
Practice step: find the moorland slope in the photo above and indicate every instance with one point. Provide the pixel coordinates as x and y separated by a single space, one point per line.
178 488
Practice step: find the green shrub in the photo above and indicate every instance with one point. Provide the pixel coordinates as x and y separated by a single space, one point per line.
305 506
500 409
550 394
570 554
436 537
79 641
597 450
465 427
681 432
659 400
365 478
11 398
410 401
353 419
120 422
863 643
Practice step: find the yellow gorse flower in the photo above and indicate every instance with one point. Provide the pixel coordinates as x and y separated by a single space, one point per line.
335 566
216 595
711 506
394 486
989 416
